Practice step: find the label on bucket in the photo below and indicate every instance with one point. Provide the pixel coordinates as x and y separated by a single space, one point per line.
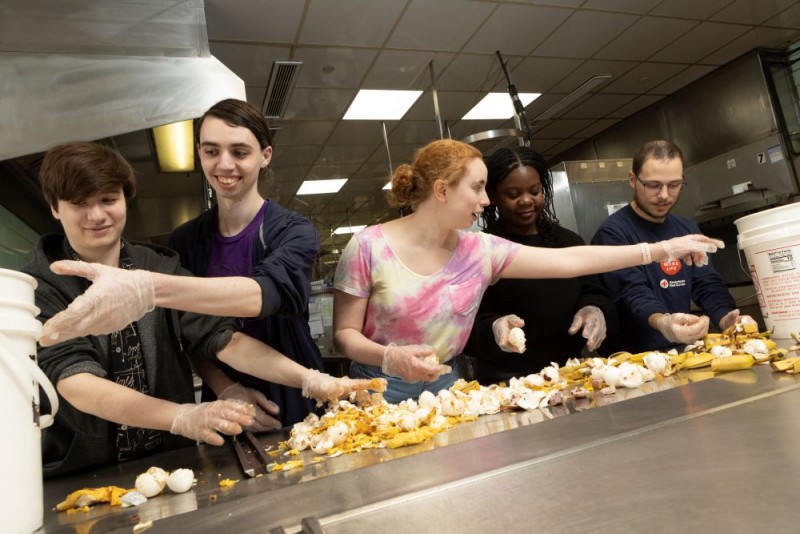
776 278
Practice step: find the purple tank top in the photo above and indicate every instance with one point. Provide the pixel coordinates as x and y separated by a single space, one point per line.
233 256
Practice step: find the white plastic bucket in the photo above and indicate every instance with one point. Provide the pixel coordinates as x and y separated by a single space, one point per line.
17 286
20 378
770 240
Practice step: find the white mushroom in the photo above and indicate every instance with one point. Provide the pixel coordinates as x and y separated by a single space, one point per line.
148 485
657 362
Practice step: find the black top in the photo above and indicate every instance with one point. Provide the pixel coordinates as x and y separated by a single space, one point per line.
78 440
546 305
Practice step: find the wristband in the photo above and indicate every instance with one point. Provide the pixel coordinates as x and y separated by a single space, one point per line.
646 257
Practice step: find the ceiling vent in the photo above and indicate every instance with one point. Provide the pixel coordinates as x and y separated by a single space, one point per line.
281 82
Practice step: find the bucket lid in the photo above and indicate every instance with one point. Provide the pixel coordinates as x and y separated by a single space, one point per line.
768 225
9 273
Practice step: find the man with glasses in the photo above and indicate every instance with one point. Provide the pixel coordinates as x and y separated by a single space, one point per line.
654 300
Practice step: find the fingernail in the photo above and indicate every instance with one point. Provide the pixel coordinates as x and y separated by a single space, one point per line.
274 406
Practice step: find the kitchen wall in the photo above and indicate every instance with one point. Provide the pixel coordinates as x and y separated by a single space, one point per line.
17 241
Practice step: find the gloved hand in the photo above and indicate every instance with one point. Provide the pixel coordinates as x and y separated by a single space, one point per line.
729 319
682 327
116 298
732 317
262 420
501 328
322 387
593 322
693 248
201 422
409 363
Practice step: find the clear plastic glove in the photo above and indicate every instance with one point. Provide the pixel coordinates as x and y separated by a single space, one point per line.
202 422
323 387
682 327
264 408
692 248
501 328
729 319
593 322
116 298
413 363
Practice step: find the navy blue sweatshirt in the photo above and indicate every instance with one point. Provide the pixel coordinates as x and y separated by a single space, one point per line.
659 287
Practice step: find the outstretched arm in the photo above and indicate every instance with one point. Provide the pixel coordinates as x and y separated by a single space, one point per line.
535 262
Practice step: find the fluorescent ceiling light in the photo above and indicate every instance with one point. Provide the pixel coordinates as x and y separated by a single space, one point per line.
381 105
349 229
498 106
388 186
318 187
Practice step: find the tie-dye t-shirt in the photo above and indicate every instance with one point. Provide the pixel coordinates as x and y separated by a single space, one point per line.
406 308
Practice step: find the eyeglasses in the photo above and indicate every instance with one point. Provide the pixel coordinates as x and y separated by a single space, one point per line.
655 188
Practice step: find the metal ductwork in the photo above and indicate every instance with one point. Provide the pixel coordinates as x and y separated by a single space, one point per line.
89 69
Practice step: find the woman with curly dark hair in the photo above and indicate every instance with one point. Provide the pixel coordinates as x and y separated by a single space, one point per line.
558 316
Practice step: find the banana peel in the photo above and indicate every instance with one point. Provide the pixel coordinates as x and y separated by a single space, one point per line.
89 496
696 361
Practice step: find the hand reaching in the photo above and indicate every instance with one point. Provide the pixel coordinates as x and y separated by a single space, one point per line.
412 363
593 322
202 422
683 327
693 248
323 387
264 408
116 298
501 328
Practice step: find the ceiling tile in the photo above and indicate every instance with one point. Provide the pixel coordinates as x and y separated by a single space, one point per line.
597 106
561 3
757 37
374 172
333 66
790 18
682 79
293 155
414 132
359 132
516 29
318 103
253 20
251 62
630 6
469 72
584 33
699 42
597 127
452 105
339 169
561 128
441 25
403 69
349 22
690 9
635 106
646 37
540 74
305 132
643 78
749 12
346 154
591 68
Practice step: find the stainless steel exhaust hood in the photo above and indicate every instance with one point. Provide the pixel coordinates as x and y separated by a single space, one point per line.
88 69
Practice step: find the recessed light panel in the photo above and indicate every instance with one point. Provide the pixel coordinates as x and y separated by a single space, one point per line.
319 187
381 105
498 106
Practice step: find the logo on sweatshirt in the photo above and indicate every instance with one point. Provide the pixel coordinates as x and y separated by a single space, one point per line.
671 268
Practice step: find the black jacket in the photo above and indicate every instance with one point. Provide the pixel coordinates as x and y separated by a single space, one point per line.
284 251
547 306
78 440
